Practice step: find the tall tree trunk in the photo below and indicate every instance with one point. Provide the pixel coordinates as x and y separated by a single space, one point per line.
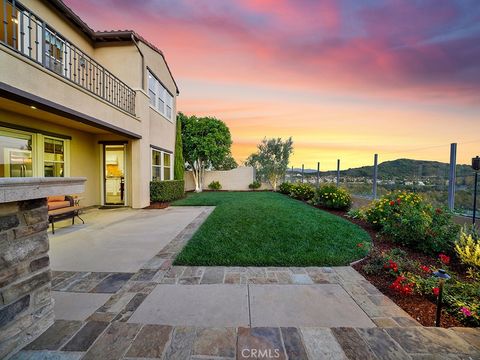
196 171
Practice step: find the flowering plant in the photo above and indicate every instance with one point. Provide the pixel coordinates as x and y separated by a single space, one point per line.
402 285
445 259
409 220
302 191
392 265
333 197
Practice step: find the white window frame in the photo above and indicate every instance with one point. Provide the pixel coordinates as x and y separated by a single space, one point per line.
38 146
161 95
66 153
162 164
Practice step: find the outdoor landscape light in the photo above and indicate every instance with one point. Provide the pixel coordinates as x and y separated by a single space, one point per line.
442 276
476 168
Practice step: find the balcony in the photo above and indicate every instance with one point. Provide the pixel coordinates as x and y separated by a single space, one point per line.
30 36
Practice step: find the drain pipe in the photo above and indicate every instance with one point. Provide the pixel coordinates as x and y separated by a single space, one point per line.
143 61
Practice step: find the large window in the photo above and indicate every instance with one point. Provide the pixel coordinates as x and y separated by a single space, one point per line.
161 165
160 98
28 154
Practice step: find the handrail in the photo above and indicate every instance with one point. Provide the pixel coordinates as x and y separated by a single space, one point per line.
24 32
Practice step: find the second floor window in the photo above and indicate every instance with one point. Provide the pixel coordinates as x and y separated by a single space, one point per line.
160 98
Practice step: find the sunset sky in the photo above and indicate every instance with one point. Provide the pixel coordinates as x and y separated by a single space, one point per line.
345 79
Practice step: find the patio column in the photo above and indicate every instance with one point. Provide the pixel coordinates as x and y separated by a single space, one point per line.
26 306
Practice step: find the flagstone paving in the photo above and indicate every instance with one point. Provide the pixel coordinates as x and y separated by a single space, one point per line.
177 312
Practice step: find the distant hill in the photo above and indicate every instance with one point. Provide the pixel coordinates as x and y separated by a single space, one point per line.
400 169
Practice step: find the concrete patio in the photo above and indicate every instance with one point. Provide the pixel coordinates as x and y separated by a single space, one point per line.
122 302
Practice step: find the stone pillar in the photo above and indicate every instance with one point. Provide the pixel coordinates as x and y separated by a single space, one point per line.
26 305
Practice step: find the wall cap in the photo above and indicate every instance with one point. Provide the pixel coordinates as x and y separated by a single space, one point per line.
18 189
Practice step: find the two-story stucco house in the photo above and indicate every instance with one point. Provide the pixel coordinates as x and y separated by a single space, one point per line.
78 102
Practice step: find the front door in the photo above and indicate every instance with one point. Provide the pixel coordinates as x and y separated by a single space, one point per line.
114 175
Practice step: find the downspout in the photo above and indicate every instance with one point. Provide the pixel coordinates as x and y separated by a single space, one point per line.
143 61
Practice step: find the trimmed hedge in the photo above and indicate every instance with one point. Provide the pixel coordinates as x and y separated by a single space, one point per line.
168 190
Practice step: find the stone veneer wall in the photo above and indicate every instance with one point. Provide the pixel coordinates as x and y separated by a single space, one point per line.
26 306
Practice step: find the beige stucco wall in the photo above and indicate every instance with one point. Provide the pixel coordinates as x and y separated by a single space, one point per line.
23 74
236 179
84 152
122 60
62 26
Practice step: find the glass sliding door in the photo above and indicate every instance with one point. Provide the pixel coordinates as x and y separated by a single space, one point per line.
114 162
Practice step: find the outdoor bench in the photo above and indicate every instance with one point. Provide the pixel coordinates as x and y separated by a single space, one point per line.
61 208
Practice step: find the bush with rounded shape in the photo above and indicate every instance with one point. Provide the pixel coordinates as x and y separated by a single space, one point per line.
409 220
285 188
254 185
215 185
302 191
333 197
165 191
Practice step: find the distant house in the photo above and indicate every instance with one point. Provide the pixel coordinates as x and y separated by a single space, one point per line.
78 102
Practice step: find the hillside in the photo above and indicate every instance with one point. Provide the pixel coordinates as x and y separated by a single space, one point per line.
400 169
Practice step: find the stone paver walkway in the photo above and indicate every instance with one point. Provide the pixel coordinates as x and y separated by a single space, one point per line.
133 323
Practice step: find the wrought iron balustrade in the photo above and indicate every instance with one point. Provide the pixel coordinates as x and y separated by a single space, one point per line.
30 36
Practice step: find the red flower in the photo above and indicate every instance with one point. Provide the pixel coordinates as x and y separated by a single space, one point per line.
444 259
360 244
425 268
392 203
436 291
399 286
438 211
391 265
399 201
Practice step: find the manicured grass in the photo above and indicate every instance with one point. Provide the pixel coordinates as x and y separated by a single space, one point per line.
269 229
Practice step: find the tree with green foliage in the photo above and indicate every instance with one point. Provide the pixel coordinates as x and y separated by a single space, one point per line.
206 141
228 163
271 160
179 162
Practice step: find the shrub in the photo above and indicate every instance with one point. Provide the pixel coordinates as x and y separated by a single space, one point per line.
255 185
302 191
285 188
408 220
215 185
460 297
467 247
168 190
333 197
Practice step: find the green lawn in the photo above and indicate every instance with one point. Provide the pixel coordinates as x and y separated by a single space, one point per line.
269 229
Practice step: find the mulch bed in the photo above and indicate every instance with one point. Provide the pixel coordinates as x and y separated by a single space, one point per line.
420 308
158 205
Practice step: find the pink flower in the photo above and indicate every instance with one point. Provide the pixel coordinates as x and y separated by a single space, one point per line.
466 311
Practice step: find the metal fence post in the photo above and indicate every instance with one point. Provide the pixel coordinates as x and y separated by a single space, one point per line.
338 172
452 176
318 174
303 169
375 175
